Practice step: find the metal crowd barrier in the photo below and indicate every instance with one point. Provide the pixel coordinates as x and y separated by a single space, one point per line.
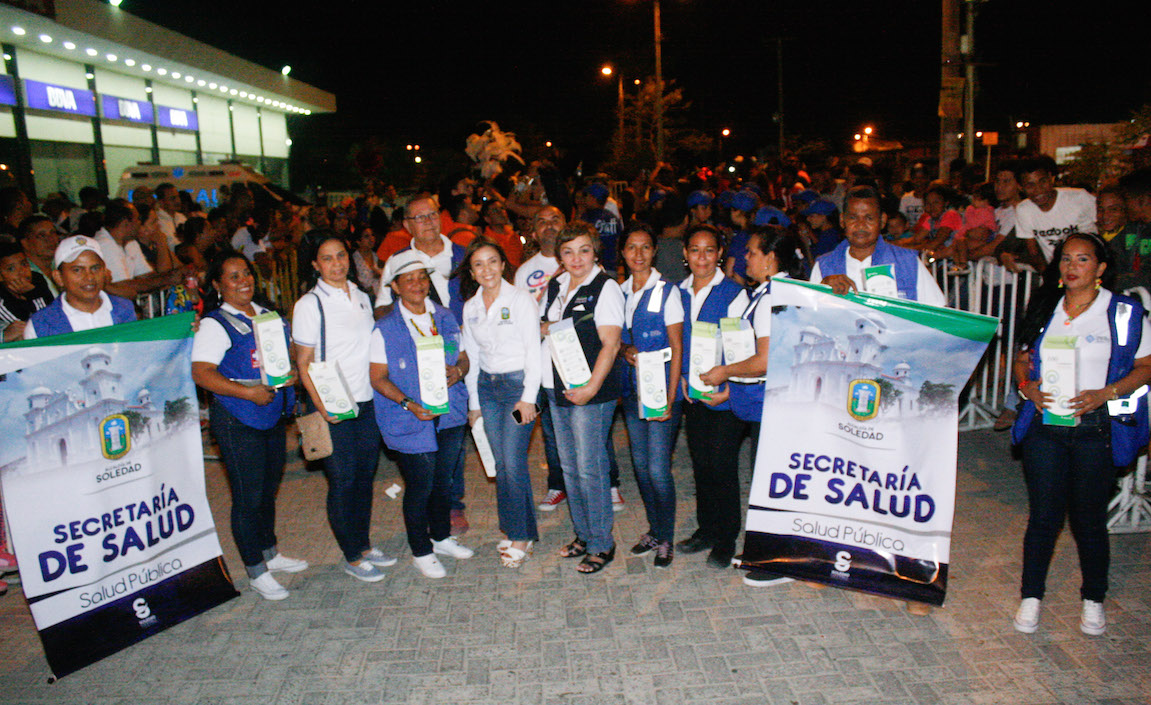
280 286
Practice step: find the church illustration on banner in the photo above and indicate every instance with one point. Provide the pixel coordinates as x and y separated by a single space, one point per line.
825 373
91 421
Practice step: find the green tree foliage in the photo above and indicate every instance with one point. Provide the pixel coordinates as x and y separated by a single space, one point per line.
176 411
936 397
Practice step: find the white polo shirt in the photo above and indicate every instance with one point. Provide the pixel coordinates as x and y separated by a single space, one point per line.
697 299
418 325
80 320
439 276
1093 332
926 290
124 263
348 330
502 338
211 341
672 308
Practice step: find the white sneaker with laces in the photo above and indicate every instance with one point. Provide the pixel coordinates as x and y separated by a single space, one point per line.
451 546
378 558
282 564
430 566
268 588
617 503
1092 622
1027 616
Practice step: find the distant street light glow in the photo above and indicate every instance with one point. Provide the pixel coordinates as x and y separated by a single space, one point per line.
286 70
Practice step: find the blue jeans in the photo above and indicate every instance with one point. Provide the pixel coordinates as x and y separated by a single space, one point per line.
427 495
552 453
651 446
509 440
351 470
1069 473
581 432
254 460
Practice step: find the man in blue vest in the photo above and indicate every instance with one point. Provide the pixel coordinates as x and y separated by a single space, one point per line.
81 275
845 268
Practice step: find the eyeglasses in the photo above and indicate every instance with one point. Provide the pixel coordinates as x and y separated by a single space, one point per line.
425 218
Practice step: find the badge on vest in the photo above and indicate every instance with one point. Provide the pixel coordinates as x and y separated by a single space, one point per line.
272 349
567 354
705 354
880 279
431 366
651 379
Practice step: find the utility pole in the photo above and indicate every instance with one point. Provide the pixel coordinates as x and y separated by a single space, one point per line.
951 85
967 46
658 88
779 84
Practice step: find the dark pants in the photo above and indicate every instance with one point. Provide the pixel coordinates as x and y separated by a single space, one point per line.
427 495
713 439
351 469
254 460
1069 473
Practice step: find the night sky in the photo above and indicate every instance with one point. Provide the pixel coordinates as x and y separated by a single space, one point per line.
428 71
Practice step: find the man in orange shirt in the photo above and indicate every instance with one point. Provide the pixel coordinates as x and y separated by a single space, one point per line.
500 231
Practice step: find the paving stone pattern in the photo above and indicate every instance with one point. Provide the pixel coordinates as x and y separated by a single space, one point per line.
630 635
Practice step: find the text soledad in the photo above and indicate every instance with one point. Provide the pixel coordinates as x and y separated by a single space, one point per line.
883 493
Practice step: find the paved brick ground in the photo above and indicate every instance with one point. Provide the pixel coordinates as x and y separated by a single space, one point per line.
632 634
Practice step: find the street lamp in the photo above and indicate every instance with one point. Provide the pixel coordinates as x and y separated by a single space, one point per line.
723 133
607 70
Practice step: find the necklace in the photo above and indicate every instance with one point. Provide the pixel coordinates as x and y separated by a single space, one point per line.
1074 311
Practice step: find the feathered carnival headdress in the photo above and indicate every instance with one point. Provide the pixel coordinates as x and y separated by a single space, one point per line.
491 149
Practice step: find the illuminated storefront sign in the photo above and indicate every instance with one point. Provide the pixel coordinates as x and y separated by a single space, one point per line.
45 96
125 109
177 118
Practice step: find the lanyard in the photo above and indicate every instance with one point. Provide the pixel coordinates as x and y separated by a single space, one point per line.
415 325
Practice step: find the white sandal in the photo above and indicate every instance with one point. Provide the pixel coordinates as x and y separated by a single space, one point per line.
512 557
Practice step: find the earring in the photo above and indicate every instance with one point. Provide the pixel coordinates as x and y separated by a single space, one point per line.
1060 282
1098 283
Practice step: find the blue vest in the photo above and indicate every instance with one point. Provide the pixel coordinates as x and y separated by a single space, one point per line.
239 363
51 319
747 398
648 332
1130 432
714 308
906 265
585 328
402 431
456 304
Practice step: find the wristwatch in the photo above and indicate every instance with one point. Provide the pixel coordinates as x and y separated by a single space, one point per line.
404 403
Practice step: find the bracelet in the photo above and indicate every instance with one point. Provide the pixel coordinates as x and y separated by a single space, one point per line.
404 403
1021 385
1114 391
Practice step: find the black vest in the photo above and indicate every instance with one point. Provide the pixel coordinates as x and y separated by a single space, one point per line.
585 328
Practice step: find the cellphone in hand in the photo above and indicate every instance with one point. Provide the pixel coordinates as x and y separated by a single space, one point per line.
520 417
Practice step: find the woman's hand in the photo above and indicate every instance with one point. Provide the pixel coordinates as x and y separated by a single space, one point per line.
628 353
420 412
1030 391
260 394
1090 400
527 412
454 374
715 376
717 397
581 395
473 416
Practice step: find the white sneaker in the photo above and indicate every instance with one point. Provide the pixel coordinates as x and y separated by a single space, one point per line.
430 566
617 503
283 564
1093 622
451 546
378 558
1027 616
268 588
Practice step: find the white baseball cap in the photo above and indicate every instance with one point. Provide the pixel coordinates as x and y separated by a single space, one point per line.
71 247
406 261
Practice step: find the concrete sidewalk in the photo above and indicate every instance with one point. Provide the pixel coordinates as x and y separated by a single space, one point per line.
631 634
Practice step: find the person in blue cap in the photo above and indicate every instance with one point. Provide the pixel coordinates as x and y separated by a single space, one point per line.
606 223
699 208
743 205
820 216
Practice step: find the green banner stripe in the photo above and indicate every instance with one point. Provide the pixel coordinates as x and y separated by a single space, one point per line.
163 328
962 324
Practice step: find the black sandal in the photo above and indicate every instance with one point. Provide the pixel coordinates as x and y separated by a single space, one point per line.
595 562
575 549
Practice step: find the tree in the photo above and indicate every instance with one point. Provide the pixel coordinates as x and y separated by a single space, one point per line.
936 397
137 422
635 148
888 394
176 411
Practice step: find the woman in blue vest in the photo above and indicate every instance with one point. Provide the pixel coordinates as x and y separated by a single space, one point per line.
714 433
593 301
501 337
333 323
771 252
653 321
247 418
1070 469
428 441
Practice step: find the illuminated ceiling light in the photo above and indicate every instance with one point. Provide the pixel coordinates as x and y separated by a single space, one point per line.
288 142
260 99
195 99
307 112
231 107
201 83
46 38
18 31
188 79
162 71
129 62
212 85
286 70
7 57
111 57
70 46
91 52
223 89
89 76
234 92
176 74
243 94
146 67
147 89
115 3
